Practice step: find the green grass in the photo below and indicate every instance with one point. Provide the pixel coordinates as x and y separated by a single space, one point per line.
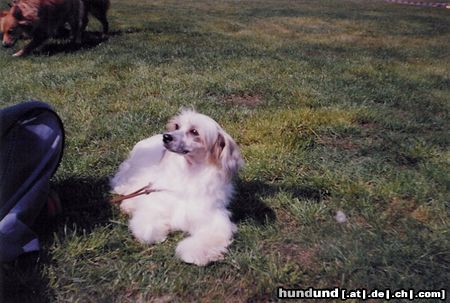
337 105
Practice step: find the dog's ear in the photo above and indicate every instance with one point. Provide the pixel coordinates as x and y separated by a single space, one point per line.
16 12
226 153
25 13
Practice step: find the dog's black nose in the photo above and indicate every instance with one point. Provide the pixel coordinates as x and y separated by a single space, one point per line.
167 138
7 44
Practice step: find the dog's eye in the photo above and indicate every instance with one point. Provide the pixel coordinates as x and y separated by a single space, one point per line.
177 127
194 132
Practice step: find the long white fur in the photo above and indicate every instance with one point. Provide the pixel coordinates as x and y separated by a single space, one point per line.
194 189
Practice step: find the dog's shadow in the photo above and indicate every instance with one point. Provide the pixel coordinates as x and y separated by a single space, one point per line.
248 205
61 43
91 39
84 205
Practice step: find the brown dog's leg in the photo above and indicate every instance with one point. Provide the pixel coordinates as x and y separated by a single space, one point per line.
99 10
101 16
85 19
76 22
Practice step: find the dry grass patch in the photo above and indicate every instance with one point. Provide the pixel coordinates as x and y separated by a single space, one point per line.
244 99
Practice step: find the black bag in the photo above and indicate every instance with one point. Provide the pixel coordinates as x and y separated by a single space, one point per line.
31 148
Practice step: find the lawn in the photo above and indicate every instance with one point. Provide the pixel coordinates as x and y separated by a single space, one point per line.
337 105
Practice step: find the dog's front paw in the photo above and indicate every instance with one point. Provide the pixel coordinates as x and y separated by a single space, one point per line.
148 232
193 251
19 53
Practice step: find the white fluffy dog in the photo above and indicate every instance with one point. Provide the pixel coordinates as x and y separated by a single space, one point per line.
191 167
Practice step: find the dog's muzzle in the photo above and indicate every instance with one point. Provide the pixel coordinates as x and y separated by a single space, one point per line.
8 44
174 145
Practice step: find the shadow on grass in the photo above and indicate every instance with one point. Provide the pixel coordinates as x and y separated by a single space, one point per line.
23 280
84 205
248 204
90 40
85 202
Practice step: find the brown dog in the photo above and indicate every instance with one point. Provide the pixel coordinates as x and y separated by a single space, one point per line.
40 19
